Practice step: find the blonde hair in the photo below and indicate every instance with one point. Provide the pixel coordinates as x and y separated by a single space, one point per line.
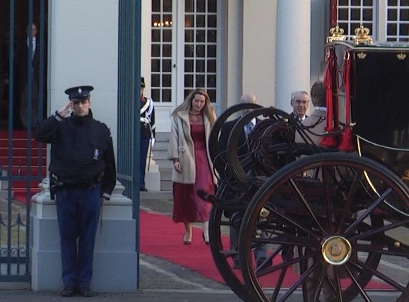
187 105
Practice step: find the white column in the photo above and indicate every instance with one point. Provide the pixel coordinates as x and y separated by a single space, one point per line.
259 50
293 50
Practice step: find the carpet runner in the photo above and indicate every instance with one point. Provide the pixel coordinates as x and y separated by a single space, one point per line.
162 238
23 161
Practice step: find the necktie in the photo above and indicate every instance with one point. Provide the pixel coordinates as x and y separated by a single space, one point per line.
34 48
248 128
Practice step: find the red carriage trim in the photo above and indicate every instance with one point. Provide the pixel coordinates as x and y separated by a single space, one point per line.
347 137
331 99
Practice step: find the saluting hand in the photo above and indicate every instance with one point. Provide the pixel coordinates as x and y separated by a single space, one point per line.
65 110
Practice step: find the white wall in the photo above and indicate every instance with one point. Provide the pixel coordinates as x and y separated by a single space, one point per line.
83 44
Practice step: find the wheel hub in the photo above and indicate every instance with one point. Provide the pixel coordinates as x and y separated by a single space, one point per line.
336 250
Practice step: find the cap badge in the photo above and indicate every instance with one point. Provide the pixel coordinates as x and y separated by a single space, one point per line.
79 90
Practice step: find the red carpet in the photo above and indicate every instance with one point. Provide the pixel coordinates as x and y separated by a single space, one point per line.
161 237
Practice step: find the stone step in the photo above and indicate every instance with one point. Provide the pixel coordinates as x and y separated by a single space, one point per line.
160 156
162 195
160 146
166 185
165 179
162 136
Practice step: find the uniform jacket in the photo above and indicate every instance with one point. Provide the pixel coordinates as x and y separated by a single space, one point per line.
315 116
147 119
81 148
181 147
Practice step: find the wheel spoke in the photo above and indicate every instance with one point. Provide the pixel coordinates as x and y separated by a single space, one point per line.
379 232
305 203
297 283
380 275
368 211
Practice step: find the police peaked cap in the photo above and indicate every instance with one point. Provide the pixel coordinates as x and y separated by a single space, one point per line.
79 92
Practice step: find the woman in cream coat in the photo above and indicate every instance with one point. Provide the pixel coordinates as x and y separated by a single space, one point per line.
191 124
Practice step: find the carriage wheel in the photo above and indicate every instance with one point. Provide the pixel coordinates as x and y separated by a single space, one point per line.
261 131
223 256
214 150
335 225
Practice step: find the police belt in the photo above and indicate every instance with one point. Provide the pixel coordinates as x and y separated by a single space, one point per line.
145 121
69 184
78 185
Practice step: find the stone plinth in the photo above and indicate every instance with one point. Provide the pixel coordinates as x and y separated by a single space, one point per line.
115 258
152 175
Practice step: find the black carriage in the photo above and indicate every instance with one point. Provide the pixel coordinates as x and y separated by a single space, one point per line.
334 218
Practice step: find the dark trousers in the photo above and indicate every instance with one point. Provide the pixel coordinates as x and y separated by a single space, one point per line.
144 155
259 252
78 212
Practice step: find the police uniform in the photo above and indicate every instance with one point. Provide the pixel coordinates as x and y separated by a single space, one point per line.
147 118
82 171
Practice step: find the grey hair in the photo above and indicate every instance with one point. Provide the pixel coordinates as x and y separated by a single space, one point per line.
299 92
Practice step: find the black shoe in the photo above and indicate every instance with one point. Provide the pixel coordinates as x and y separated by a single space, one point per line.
143 189
68 291
86 292
261 264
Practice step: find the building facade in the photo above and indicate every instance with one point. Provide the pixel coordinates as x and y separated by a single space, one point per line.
269 48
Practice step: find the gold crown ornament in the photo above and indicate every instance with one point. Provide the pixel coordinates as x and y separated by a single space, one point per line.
336 34
362 36
401 56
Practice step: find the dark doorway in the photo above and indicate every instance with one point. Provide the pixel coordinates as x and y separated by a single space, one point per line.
21 90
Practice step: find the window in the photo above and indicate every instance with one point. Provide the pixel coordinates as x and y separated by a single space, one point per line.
200 46
397 20
354 13
387 20
161 51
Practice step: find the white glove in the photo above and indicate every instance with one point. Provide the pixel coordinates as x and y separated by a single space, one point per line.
153 141
65 110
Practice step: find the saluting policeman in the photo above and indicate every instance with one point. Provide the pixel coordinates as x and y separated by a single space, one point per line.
82 175
147 117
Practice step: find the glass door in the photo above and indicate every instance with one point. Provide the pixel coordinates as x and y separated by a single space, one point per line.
183 52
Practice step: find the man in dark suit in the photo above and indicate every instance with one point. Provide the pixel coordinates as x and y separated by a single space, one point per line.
317 118
259 252
28 61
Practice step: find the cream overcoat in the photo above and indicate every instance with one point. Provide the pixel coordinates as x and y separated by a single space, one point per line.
181 147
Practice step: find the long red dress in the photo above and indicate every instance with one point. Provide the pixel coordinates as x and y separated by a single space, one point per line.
187 205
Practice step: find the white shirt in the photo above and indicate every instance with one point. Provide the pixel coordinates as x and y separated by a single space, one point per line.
249 126
34 46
